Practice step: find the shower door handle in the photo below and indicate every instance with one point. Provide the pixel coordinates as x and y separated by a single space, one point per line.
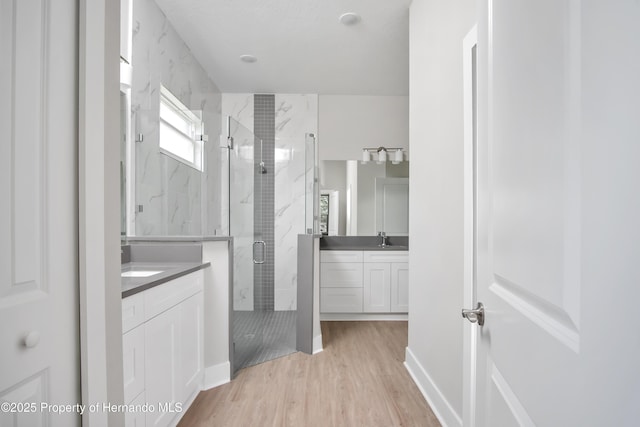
264 251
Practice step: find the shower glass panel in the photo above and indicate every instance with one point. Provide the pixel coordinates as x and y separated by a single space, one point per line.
264 327
168 182
249 250
311 185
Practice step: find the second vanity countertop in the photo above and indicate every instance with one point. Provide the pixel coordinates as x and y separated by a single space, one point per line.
167 271
363 243
365 248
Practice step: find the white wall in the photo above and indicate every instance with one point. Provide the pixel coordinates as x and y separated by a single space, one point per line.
348 123
434 353
216 313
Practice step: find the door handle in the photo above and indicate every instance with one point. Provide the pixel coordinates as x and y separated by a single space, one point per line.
264 251
475 315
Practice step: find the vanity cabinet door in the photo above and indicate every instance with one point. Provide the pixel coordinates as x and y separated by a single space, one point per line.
162 356
135 419
400 287
192 346
133 363
377 287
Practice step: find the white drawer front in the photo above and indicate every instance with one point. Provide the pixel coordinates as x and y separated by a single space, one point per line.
132 311
341 275
165 296
341 300
382 256
340 256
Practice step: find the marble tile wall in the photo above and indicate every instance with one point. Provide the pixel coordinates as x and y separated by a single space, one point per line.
296 115
241 200
176 199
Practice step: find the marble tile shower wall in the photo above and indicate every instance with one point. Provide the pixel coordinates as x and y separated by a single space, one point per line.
176 199
295 115
240 107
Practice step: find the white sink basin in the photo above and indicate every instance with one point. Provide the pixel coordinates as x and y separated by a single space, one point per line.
140 273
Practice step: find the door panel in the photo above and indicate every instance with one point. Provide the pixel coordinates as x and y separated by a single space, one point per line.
38 216
529 213
557 213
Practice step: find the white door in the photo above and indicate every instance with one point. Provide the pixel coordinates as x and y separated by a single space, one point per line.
558 211
39 354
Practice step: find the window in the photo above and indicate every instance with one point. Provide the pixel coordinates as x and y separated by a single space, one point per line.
181 131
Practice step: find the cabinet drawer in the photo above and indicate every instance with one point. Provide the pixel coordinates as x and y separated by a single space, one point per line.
132 311
382 256
165 296
341 300
340 256
341 275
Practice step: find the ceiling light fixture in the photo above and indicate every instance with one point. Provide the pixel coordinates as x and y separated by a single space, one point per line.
349 18
250 59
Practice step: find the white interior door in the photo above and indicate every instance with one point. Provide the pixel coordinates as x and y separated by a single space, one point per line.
558 209
39 355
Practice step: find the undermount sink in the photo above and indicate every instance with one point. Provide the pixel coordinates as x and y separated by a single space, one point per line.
140 273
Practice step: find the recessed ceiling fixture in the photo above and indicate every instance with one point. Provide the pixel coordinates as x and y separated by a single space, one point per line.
248 58
349 18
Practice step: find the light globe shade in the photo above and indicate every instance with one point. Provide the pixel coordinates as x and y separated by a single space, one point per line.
382 156
366 156
397 157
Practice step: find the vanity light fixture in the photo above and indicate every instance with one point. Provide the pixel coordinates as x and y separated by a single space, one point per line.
395 154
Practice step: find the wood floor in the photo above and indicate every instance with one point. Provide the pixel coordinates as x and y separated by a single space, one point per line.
358 380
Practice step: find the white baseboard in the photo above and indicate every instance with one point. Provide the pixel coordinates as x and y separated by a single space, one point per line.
362 316
217 375
437 401
317 344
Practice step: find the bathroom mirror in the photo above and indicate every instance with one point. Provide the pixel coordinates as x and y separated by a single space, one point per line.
370 197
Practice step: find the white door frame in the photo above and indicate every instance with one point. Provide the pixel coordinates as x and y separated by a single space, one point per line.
99 209
470 333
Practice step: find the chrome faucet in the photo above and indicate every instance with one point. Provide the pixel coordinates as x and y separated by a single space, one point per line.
383 237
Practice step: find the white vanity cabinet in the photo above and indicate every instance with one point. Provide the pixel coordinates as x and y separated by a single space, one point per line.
163 353
364 281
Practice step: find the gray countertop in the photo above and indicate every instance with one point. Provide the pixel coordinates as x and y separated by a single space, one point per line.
168 271
365 248
143 239
363 243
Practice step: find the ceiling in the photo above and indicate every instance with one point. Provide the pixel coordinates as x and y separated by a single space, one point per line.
300 45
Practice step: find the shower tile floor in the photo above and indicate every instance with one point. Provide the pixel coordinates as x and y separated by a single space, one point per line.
260 336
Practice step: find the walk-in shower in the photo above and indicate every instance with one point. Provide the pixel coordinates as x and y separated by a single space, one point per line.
259 333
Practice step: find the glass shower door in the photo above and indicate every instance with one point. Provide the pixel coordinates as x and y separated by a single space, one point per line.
245 181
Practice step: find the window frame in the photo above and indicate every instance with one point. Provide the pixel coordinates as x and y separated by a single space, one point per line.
182 118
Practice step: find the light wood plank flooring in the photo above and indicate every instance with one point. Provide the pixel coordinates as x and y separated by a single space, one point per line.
358 380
